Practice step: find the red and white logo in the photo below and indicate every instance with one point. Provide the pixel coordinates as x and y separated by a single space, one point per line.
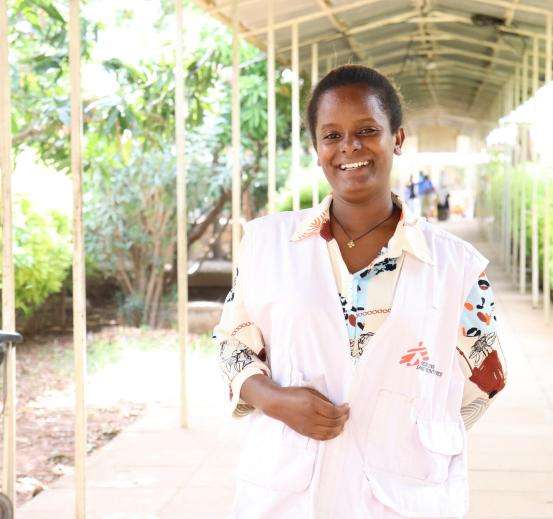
415 356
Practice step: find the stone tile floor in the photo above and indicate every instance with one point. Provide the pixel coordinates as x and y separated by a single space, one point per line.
157 470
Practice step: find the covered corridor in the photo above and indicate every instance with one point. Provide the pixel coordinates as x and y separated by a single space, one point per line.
467 69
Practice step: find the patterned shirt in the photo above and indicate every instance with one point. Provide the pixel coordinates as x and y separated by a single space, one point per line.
366 297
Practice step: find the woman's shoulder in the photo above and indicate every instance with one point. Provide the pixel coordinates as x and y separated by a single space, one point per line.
282 221
437 236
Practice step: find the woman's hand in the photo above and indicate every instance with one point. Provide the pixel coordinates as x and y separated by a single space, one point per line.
310 413
303 409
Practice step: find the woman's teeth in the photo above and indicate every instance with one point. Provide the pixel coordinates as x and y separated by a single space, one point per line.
353 165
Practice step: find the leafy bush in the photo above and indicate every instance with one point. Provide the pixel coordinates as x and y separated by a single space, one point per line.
42 254
306 196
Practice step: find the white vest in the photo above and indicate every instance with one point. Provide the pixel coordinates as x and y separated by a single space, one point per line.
404 443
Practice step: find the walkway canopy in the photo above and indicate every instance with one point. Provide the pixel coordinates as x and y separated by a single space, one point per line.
468 60
458 63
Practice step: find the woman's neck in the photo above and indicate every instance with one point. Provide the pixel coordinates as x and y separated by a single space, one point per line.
356 217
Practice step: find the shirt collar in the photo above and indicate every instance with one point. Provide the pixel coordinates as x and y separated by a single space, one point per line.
408 235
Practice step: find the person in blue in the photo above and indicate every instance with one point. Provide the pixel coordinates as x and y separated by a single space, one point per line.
426 192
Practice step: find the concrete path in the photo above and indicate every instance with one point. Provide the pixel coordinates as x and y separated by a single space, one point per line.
157 470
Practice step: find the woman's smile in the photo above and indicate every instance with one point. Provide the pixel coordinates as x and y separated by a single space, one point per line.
355 145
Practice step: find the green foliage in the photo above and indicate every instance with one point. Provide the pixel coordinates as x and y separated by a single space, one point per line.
306 196
42 254
499 176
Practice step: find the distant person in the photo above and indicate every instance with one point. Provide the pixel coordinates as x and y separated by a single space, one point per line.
411 194
426 191
442 202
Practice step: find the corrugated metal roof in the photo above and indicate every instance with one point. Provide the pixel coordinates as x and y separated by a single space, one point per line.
448 56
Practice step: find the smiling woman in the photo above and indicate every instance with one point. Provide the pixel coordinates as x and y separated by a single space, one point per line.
359 359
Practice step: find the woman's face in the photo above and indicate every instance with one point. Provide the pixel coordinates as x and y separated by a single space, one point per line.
355 146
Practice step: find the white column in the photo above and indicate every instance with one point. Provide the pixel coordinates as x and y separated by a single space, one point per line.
522 222
535 65
535 237
295 173
515 226
516 86
182 238
79 293
509 221
524 78
271 107
549 48
506 218
547 250
535 232
236 181
314 81
8 280
547 197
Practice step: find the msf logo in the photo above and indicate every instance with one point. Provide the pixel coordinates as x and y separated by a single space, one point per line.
415 356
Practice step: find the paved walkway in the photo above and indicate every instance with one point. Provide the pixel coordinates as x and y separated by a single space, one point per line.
156 470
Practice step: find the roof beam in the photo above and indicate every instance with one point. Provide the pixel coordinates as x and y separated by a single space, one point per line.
509 15
342 28
521 7
453 66
423 6
401 53
313 16
382 22
449 80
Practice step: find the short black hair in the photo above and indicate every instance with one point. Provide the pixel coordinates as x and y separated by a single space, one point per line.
379 85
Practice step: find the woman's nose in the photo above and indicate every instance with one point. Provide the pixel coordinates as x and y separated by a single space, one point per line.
350 144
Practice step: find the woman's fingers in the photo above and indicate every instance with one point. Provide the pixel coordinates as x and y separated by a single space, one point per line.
325 433
331 422
329 410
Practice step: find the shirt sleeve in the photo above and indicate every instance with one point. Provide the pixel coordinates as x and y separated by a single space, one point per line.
480 354
239 341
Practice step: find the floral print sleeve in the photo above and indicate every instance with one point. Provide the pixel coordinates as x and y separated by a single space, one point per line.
480 353
240 343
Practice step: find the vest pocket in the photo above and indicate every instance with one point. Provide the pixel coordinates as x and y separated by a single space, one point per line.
402 443
269 460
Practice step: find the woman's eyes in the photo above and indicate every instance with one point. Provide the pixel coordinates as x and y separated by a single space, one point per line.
363 131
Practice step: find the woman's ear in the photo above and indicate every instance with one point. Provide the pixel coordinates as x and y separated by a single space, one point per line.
399 137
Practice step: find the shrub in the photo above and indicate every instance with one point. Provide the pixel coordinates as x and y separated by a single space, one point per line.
42 254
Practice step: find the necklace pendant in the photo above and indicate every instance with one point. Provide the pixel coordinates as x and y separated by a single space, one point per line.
351 244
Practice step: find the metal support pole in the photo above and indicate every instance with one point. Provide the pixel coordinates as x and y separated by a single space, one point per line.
535 238
516 86
8 280
547 250
524 80
236 180
79 290
522 219
295 173
547 197
535 65
182 238
515 228
508 220
271 107
314 81
549 48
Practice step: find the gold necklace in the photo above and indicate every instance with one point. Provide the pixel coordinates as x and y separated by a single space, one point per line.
351 242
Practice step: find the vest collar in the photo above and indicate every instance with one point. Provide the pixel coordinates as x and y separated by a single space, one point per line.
407 237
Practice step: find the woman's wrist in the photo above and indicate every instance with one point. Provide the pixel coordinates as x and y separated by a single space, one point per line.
263 393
